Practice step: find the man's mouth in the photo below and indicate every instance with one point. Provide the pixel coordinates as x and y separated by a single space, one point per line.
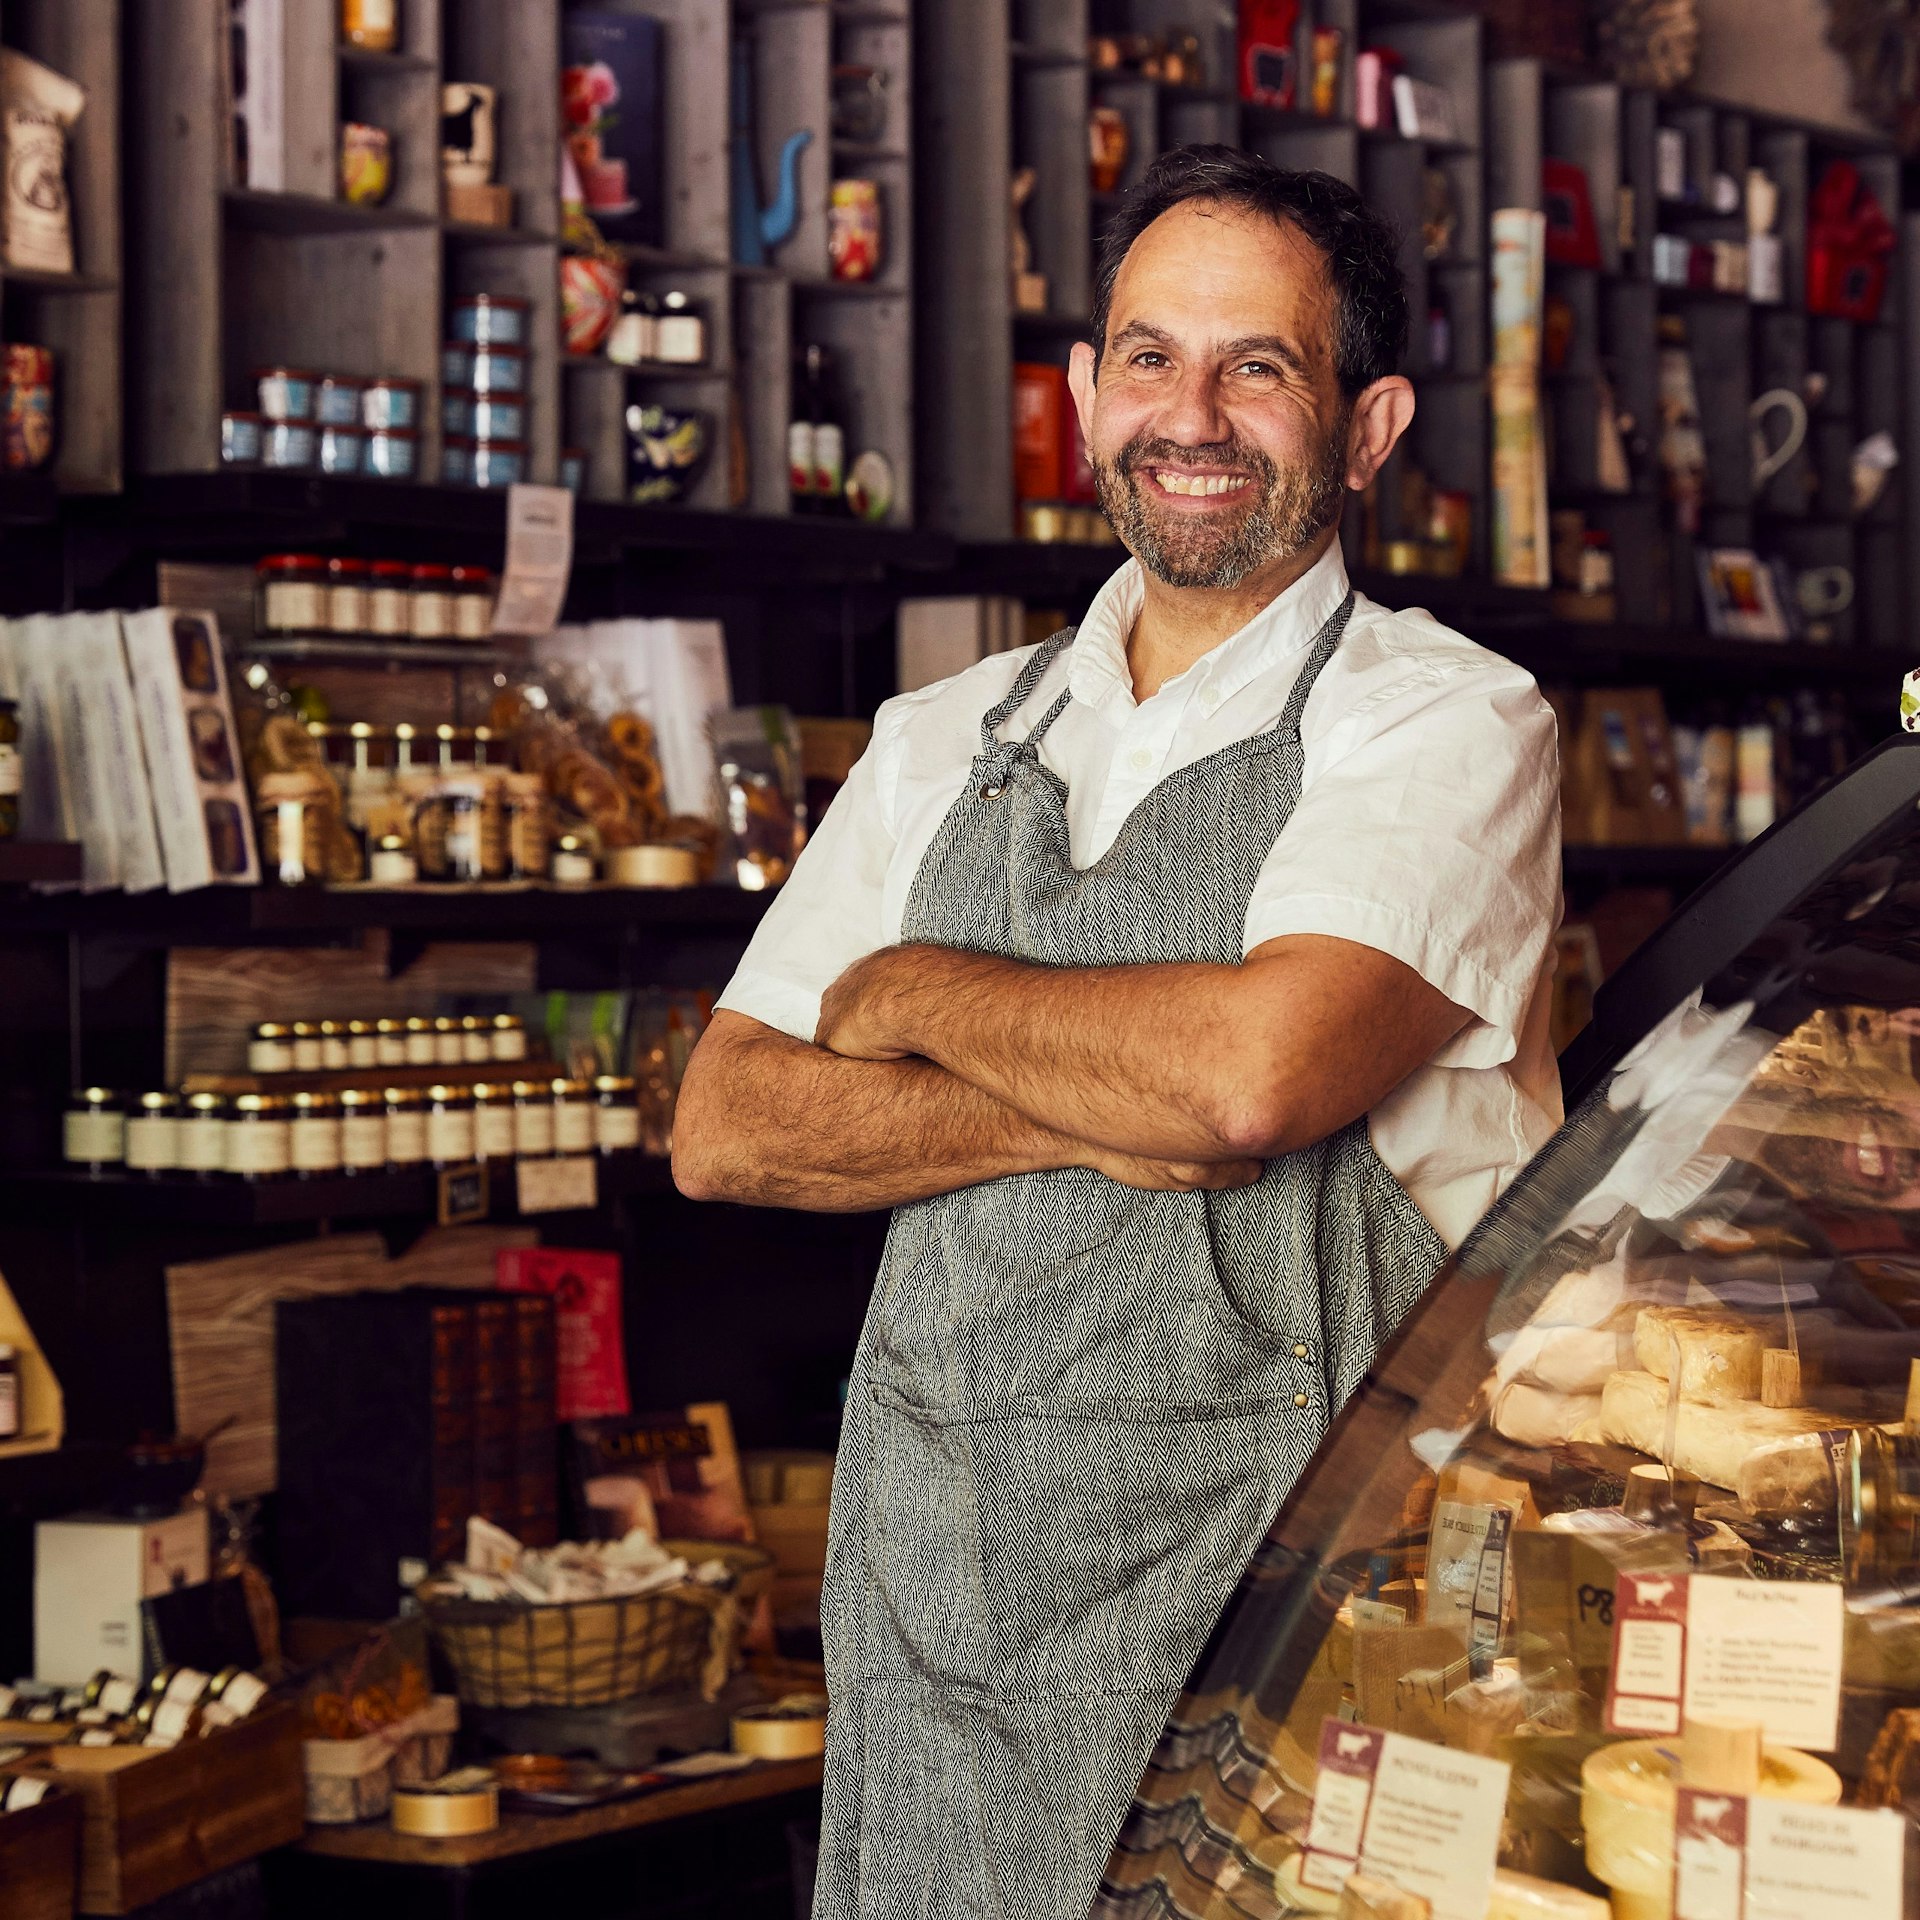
1168 480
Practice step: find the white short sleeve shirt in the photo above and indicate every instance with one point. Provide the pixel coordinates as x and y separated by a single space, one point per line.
1428 827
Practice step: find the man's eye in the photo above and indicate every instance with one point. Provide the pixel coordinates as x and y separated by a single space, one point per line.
1149 358
1259 367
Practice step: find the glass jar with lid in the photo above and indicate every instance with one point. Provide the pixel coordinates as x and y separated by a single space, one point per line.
616 1122
533 1119
390 600
572 861
447 1051
472 603
363 1130
508 1040
493 1132
449 1126
270 1050
307 1057
258 1142
153 1134
314 1134
348 585
420 1047
476 1045
432 611
406 1127
203 1134
334 1055
290 594
391 862
94 1130
371 25
363 1050
390 1042
573 1116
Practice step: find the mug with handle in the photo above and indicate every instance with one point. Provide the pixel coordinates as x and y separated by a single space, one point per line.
1767 461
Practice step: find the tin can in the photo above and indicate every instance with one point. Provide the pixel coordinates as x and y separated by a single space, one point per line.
491 320
390 403
853 229
26 426
240 439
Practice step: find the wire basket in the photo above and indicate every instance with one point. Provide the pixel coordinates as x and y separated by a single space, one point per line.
589 1653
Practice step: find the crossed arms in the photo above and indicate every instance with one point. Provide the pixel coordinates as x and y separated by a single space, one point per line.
934 1069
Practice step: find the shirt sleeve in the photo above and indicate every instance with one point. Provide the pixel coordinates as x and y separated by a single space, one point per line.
1435 839
830 911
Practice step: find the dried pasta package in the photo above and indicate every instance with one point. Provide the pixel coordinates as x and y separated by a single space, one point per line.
757 752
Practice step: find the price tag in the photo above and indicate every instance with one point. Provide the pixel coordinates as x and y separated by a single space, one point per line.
1767 1651
1765 1859
1408 1811
533 584
557 1186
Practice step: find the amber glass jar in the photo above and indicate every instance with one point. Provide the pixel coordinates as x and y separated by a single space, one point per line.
406 1127
259 1146
493 1131
573 1117
449 1126
533 1119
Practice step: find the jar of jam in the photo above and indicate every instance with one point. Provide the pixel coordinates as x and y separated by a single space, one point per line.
572 861
153 1134
9 769
390 599
314 1134
94 1131
616 1123
259 1144
432 603
493 1131
371 25
508 1040
406 1127
333 1046
447 1051
391 863
573 1117
362 1048
290 594
390 1042
476 1041
203 1134
349 585
307 1057
271 1048
363 1130
420 1049
232 1696
449 1126
533 1119
472 603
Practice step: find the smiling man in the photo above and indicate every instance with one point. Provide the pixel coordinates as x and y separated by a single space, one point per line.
1182 985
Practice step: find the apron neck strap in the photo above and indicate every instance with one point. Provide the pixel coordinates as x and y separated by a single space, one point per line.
1042 658
1325 642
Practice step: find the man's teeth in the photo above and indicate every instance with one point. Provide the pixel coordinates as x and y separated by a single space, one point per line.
1201 482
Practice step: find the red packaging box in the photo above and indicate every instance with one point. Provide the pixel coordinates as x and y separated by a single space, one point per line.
1041 409
1269 55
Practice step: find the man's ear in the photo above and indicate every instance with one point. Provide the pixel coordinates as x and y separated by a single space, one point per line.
1381 414
1080 367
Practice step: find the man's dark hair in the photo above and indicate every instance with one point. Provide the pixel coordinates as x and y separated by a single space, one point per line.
1360 248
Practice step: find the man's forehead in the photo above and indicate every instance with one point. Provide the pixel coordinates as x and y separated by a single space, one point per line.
1248 270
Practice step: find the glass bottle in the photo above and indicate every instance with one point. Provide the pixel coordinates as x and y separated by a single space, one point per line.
449 1126
271 1048
363 1048
259 1146
533 1119
314 1134
493 1131
307 1057
447 1051
363 1130
616 1126
390 1042
203 1135
573 1116
420 1047
94 1131
406 1127
509 1037
476 1042
334 1056
153 1134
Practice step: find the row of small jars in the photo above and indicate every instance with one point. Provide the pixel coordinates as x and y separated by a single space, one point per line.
302 593
336 1046
257 1136
111 1709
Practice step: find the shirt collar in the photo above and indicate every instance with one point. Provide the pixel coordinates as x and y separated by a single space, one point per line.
1098 675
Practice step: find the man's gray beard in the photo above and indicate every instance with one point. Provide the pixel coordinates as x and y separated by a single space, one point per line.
1291 511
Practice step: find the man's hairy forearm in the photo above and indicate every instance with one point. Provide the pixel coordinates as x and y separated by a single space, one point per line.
766 1119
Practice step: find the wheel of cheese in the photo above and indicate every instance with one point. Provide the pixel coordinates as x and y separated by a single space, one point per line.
1627 1807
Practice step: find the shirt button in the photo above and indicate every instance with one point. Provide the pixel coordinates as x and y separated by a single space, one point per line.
1299 1399
1141 758
1299 1353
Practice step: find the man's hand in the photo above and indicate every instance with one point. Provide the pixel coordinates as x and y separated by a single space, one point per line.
853 1011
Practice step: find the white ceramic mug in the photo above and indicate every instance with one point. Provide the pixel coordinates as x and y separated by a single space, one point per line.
1768 461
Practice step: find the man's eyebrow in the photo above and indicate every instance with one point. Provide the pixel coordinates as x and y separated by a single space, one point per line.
1272 345
1139 330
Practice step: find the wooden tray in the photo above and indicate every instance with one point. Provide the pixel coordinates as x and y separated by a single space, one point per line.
40 1858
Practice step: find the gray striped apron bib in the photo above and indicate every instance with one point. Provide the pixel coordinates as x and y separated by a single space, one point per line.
1076 1407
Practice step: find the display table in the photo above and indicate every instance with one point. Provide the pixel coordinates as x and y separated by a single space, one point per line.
714 1847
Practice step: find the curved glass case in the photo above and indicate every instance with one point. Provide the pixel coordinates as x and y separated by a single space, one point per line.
1686 1343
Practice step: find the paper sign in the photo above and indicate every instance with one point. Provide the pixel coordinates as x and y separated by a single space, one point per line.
1467 1582
1419 1815
533 584
1768 1651
1766 1859
556 1186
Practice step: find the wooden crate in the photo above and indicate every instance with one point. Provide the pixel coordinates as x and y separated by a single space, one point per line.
155 1820
40 1859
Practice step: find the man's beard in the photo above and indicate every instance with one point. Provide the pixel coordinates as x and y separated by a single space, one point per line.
1283 514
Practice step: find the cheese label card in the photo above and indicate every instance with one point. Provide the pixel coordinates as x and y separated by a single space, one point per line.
1766 1859
1407 1811
1697 1644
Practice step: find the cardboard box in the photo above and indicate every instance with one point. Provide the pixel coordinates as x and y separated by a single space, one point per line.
1041 408
91 1574
40 1858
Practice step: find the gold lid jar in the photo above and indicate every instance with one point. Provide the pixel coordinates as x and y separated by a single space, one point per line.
390 1042
270 1049
449 1126
259 1139
362 1048
306 1046
203 1134
573 1116
419 1042
153 1134
94 1130
476 1040
333 1046
493 1136
314 1134
406 1127
509 1037
363 1130
533 1119
616 1119
446 1041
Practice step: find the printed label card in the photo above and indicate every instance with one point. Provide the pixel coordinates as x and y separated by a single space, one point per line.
1765 1859
1686 1645
1406 1811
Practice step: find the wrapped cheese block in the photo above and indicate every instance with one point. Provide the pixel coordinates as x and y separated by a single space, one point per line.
1627 1803
1719 1352
1794 1478
1519 1896
1533 1416
1713 1442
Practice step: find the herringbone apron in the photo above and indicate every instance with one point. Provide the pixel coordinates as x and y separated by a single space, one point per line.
1076 1407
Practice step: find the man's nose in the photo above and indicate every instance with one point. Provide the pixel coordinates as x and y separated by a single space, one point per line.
1195 416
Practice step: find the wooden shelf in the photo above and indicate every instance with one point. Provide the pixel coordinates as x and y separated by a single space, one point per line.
39 862
310 213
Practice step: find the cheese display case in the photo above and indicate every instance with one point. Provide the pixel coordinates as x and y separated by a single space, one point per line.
1602 1596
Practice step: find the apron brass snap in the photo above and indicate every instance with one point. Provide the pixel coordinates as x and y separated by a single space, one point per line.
991 793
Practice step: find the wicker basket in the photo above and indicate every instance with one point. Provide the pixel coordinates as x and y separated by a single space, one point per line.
588 1653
